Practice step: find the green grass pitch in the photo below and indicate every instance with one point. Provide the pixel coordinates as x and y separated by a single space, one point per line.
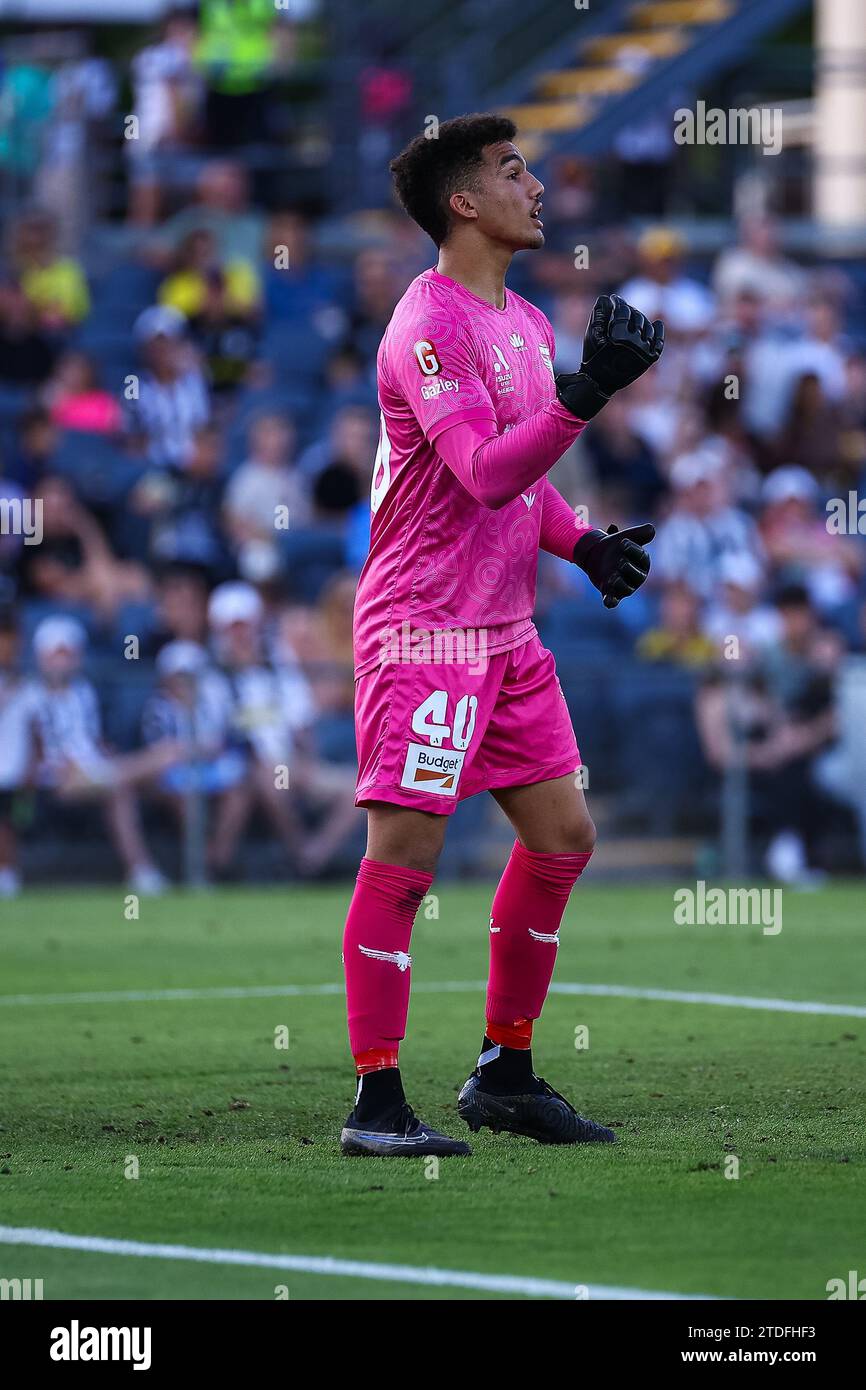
235 1139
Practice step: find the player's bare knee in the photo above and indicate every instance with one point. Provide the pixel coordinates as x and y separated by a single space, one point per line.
410 839
580 837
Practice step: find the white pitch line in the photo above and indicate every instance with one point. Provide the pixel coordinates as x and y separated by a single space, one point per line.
327 1264
668 996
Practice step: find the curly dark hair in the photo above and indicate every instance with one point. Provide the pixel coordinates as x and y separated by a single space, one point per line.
431 168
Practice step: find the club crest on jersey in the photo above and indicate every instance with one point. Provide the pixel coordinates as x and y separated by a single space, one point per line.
545 357
529 498
426 357
517 342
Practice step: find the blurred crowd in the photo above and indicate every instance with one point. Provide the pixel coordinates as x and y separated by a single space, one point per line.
196 414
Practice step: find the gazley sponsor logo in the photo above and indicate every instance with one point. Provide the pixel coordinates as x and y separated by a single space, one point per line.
432 770
431 389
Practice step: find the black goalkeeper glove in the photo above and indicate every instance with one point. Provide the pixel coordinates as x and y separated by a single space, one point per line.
615 560
619 345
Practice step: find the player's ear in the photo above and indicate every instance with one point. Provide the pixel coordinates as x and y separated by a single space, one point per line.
462 205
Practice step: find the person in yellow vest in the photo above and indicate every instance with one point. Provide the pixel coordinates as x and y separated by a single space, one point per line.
243 45
54 285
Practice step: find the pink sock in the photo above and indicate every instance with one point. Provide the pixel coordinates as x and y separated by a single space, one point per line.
527 911
376 959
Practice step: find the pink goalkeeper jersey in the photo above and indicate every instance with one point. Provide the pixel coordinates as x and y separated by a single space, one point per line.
438 557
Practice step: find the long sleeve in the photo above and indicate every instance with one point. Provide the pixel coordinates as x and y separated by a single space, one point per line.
560 528
497 468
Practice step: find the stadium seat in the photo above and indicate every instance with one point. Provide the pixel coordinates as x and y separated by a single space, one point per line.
13 401
335 738
653 710
310 558
100 473
123 688
125 290
296 351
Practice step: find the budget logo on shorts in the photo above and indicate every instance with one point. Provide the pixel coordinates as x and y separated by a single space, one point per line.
432 770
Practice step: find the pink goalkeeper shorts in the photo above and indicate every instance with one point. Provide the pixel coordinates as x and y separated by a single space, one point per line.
431 734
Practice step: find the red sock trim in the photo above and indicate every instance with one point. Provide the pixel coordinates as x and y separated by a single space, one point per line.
375 1059
517 1034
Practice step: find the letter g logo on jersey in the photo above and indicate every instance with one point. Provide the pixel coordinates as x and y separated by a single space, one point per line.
425 354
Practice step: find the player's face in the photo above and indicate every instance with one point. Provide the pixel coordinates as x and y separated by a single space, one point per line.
509 207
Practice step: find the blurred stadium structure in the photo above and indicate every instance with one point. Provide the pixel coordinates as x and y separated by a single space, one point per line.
200 255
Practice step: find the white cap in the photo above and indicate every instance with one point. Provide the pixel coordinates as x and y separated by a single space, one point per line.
790 481
258 561
52 634
159 321
234 602
699 467
180 658
741 569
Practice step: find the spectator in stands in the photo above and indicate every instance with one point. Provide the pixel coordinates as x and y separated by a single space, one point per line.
16 748
625 467
242 49
77 402
737 611
180 612
54 284
800 670
27 104
27 349
185 511
74 764
296 285
198 274
569 318
221 207
679 638
702 526
270 713
173 399
775 366
74 564
334 613
168 96
221 303
37 438
661 289
741 721
810 434
12 502
302 636
267 495
188 706
377 288
756 266
798 543
340 464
